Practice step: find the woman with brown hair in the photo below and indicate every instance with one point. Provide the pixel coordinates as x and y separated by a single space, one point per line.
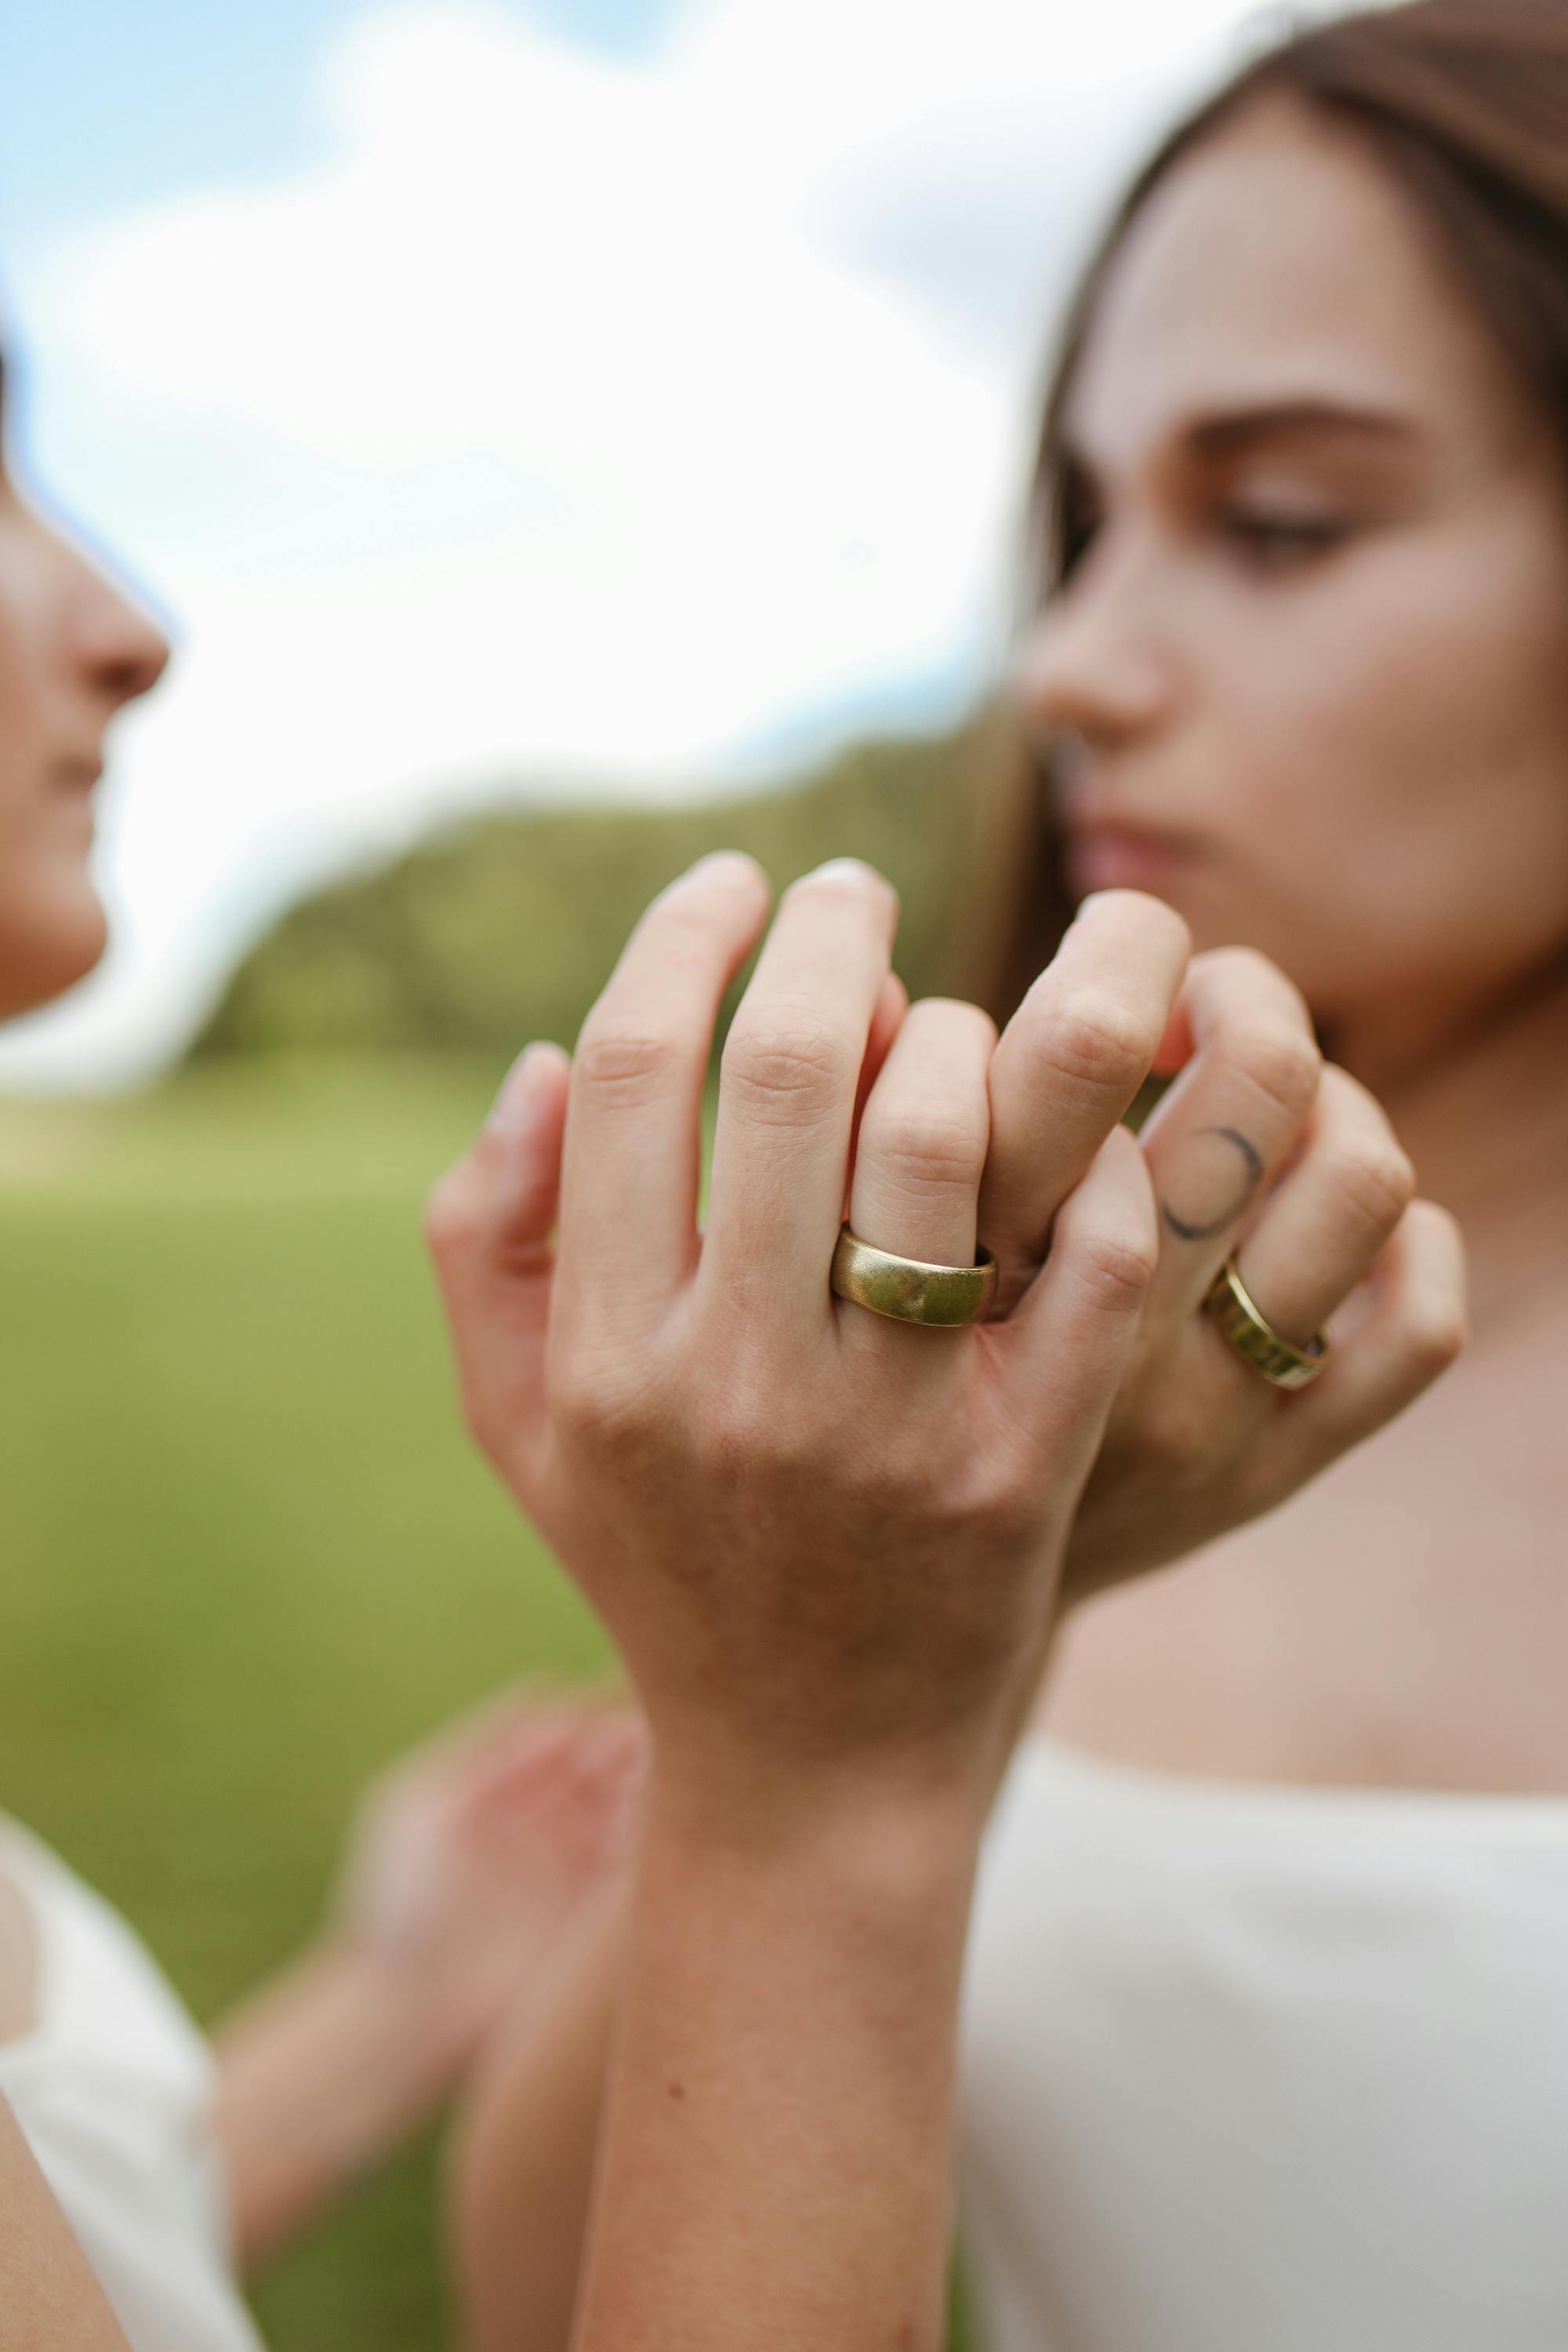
1263 2038
1291 1844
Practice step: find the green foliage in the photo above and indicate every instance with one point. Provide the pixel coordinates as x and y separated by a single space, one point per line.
506 929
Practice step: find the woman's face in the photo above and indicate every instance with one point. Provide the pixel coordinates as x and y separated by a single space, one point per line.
1312 663
72 650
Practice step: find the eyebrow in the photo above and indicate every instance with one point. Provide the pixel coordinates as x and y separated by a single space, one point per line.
1233 432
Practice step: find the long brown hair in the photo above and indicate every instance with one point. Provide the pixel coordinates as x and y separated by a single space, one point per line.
1466 101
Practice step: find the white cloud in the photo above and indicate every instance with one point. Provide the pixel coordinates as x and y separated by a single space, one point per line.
570 414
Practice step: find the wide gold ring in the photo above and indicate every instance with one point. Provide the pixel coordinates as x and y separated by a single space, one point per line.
1254 1337
907 1289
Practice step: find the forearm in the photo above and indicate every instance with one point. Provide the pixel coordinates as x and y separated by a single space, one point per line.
319 2075
776 2166
523 2159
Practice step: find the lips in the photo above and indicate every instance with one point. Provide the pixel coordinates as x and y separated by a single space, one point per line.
1119 856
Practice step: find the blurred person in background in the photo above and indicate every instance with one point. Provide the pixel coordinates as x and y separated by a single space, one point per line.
1265 2037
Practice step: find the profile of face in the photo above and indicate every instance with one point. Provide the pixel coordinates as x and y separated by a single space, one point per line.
73 651
1308 676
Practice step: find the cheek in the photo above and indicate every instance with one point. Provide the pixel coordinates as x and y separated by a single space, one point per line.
1405 819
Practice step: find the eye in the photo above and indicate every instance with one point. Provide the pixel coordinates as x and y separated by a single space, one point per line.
1275 540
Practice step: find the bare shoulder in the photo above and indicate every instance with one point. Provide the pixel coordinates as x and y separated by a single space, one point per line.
18 1963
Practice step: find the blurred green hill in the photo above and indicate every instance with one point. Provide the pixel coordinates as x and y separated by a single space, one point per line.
505 928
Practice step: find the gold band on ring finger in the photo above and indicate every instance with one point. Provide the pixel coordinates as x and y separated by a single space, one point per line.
909 1290
1256 1340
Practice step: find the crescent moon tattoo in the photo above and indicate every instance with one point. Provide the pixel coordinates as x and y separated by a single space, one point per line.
1253 1177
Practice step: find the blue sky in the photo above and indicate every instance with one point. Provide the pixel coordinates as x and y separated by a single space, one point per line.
595 394
102 105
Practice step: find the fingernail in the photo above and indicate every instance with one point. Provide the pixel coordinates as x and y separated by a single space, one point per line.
1095 899
517 1099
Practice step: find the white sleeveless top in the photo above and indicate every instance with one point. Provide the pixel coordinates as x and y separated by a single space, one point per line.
112 2090
1256 2069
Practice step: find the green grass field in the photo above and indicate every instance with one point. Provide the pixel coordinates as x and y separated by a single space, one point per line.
247 1555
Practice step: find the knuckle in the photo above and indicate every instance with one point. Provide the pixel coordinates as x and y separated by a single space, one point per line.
785 1070
624 1065
1006 1503
1282 1062
927 1151
1376 1181
1094 1039
1116 1268
750 1439
1437 1340
594 1396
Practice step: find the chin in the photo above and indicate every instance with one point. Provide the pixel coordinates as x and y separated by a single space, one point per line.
47 946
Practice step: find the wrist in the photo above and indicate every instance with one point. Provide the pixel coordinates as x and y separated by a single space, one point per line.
882 1835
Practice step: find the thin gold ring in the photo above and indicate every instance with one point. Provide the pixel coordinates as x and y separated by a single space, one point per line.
909 1290
1256 1340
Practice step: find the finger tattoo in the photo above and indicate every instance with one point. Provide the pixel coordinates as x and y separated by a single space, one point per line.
1207 1228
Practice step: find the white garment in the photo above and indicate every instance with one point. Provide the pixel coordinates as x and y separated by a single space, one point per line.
112 2090
1255 2069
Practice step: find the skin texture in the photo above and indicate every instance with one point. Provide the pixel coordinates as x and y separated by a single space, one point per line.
1353 757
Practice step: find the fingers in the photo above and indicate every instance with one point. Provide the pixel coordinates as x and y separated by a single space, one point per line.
493 1214
632 1153
1321 1230
1071 1339
924 1136
1070 1062
1409 1325
1231 1118
886 1021
788 1085
920 1158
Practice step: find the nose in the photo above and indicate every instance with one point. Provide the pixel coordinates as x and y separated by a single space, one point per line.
108 642
1094 663
116 647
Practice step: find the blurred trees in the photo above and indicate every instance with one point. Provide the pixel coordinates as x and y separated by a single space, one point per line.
505 928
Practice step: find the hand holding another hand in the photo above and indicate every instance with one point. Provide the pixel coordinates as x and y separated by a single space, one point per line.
1258 1151
811 1526
817 1536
